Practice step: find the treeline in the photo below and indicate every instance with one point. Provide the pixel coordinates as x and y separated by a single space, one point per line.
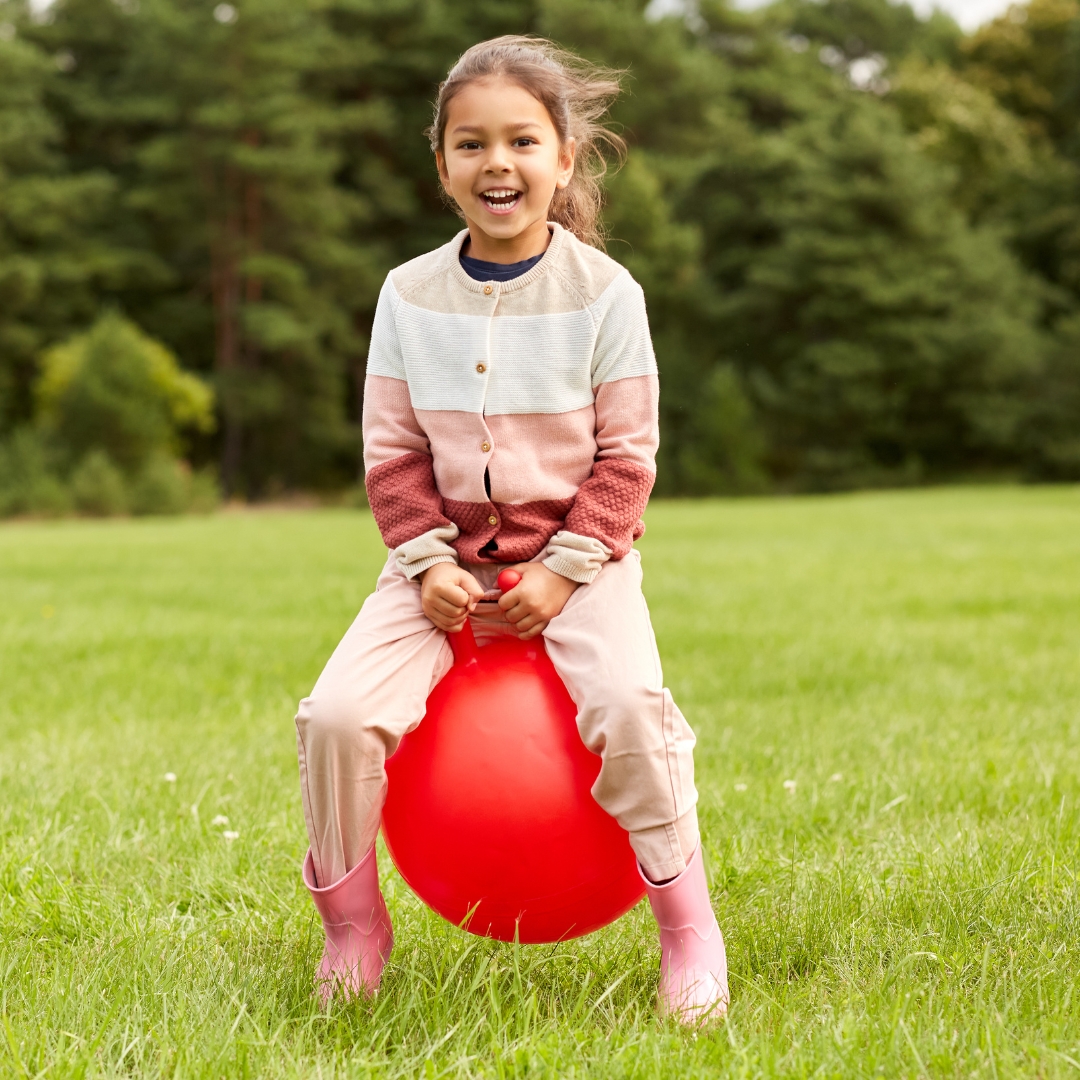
858 232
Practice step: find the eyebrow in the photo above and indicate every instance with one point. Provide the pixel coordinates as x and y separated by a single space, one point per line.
512 127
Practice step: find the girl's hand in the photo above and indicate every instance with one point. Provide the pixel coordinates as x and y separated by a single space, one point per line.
448 594
536 599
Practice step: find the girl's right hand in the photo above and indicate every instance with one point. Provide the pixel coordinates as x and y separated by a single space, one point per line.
448 594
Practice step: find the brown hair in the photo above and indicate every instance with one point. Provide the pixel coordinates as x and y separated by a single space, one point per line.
575 93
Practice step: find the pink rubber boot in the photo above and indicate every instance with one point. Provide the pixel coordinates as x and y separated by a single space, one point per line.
693 964
359 936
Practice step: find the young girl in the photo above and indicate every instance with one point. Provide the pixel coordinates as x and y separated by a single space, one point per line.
510 417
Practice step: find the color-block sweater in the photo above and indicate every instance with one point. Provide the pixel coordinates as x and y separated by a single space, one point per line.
505 420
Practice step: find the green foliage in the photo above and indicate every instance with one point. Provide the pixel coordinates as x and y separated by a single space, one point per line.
882 333
56 258
98 487
906 906
162 487
1028 59
960 125
29 483
858 230
117 390
111 405
204 491
1051 434
230 161
727 448
862 28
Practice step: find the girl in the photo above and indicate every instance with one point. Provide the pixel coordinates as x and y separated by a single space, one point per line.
510 417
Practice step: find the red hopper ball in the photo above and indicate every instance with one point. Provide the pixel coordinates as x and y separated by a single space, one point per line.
489 816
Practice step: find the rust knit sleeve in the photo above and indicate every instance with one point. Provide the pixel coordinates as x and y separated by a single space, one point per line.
605 518
399 472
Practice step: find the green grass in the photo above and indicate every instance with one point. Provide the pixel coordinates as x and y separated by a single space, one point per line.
907 906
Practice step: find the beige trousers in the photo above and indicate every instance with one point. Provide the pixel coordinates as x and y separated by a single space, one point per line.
375 686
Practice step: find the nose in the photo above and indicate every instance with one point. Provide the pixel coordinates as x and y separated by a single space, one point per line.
497 160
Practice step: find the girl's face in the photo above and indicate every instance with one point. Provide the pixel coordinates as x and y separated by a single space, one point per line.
502 161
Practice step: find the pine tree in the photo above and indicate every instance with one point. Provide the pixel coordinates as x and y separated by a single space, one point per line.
823 243
882 337
228 165
1029 60
988 152
52 262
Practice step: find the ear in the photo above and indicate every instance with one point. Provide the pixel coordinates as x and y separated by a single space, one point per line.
444 176
566 164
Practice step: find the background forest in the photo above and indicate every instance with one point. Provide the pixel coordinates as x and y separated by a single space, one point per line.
858 232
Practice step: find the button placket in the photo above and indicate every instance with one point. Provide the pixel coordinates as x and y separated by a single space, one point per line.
483 365
482 368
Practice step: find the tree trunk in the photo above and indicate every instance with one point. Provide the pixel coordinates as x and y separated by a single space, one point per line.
225 229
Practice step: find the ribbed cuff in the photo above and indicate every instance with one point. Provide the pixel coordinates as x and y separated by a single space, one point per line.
664 850
574 571
418 567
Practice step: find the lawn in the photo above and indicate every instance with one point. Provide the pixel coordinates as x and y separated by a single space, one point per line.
886 689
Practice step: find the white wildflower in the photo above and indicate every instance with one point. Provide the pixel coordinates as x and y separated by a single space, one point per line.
221 819
230 835
170 778
789 786
740 787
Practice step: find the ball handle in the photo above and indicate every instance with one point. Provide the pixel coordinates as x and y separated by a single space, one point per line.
463 642
508 579
463 645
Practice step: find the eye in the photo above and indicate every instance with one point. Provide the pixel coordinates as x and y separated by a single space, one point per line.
471 144
525 140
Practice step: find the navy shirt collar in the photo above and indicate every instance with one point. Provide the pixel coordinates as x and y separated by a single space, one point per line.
479 270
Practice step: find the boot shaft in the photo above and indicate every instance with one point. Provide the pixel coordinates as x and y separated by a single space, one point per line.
354 899
683 901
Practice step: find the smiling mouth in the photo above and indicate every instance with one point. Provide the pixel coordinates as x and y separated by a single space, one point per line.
501 200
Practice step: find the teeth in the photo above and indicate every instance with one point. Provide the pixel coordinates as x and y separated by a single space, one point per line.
502 193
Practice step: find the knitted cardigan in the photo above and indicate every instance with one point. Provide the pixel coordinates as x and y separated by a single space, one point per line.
503 420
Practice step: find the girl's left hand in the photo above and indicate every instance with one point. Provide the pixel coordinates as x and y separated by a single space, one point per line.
536 599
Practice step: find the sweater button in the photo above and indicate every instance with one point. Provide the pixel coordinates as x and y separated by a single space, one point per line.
487 290
485 446
493 520
481 368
